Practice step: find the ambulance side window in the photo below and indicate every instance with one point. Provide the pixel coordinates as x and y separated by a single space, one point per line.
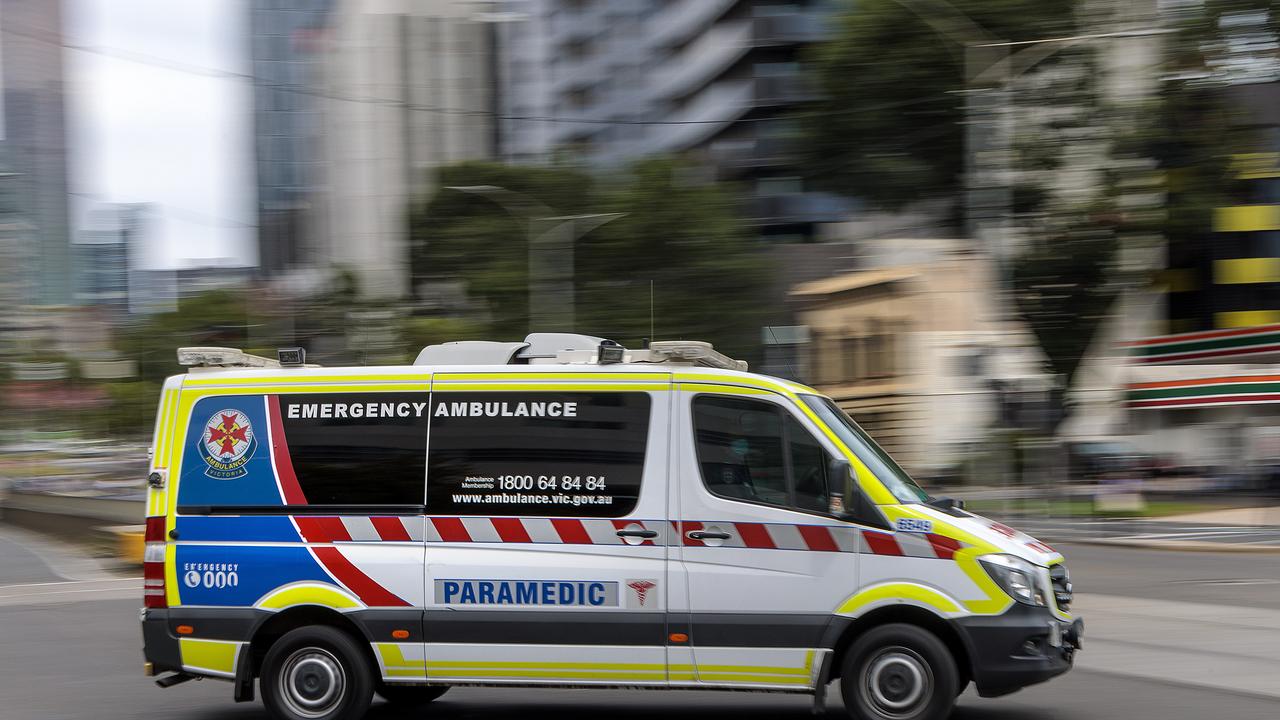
576 454
357 448
754 451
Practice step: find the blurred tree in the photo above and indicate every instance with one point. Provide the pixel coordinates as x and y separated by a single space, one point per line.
679 231
220 317
889 126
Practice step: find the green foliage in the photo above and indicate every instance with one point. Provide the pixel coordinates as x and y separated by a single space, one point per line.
890 125
678 232
214 318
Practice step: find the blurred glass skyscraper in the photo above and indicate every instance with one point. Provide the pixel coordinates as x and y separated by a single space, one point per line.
285 37
33 137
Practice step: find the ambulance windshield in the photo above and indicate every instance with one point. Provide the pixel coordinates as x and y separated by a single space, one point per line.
876 459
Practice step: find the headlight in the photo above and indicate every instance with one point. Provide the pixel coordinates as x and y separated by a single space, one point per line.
1023 581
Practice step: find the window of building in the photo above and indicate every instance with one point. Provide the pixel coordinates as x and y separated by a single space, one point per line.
537 453
851 359
357 448
753 451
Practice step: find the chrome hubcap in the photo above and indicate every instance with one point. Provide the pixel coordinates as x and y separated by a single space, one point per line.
312 682
896 682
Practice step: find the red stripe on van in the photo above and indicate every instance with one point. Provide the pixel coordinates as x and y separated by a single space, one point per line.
390 528
511 530
881 543
369 592
818 538
944 547
755 535
289 486
571 531
312 530
451 529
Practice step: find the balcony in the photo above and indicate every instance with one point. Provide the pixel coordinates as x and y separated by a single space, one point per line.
704 60
682 20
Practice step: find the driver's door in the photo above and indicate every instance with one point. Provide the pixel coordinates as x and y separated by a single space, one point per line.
766 564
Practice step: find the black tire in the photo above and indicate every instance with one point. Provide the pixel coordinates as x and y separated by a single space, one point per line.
410 695
899 672
316 673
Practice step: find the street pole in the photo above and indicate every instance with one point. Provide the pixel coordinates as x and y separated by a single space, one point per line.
551 239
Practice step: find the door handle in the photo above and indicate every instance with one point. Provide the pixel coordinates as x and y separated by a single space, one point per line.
638 533
706 535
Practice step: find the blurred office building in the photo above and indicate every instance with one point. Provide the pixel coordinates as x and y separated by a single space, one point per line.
109 258
17 255
917 347
406 87
285 39
33 137
611 80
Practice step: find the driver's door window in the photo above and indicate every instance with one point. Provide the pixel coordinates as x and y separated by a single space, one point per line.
754 451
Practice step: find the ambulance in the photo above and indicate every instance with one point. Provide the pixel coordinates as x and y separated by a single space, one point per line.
566 512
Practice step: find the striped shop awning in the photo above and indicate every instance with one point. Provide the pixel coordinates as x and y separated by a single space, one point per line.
1221 346
1203 392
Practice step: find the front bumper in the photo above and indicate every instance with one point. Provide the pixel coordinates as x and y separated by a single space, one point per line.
1010 651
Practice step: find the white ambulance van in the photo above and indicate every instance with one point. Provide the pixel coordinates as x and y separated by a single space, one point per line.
564 511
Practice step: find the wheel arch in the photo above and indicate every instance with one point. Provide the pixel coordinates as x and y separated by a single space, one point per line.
909 614
281 623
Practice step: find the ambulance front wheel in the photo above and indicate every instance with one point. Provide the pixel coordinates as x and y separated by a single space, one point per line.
899 672
316 673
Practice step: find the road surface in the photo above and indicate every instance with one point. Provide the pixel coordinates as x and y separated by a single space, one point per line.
71 650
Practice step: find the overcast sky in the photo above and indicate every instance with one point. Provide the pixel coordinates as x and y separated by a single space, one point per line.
158 128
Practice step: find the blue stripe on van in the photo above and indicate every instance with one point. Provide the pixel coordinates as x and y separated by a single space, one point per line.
240 528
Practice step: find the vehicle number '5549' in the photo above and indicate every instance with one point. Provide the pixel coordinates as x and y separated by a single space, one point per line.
551 482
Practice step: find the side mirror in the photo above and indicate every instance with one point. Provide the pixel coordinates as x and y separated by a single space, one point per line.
848 502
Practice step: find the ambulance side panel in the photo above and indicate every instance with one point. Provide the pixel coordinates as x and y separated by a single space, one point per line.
547 532
289 493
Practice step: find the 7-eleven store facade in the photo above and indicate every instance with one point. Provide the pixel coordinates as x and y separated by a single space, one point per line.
1206 398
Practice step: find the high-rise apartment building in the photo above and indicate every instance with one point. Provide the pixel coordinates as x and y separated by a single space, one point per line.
408 87
612 80
33 136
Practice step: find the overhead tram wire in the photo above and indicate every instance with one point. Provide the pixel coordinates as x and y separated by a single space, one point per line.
177 66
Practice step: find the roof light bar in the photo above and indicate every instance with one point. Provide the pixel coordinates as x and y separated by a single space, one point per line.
701 353
222 357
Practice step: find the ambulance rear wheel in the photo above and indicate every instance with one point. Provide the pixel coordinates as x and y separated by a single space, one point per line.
899 672
410 695
316 673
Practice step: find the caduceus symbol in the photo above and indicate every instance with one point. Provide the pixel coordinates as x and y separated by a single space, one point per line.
641 587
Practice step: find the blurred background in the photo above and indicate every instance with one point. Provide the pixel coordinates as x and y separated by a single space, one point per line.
1032 246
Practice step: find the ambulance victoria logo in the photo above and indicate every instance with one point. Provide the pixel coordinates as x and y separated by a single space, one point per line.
227 444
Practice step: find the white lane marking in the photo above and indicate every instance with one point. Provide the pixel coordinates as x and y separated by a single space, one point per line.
70 582
34 596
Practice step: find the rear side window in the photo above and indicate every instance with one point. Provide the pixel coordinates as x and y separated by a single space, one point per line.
753 451
537 453
357 448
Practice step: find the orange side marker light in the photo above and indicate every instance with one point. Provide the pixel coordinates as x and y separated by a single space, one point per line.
678 637
400 634
185 629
